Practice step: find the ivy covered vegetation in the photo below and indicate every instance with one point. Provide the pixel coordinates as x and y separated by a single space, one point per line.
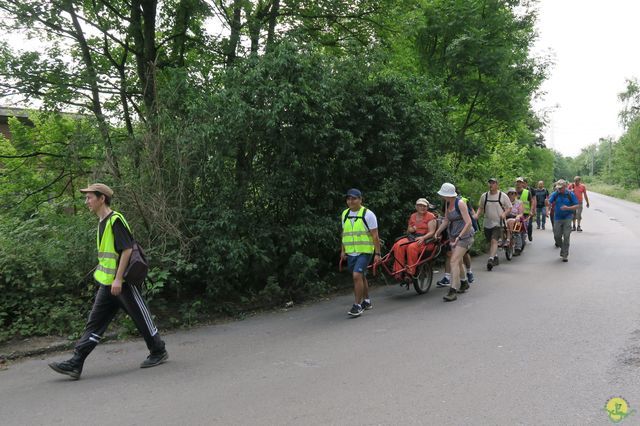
230 131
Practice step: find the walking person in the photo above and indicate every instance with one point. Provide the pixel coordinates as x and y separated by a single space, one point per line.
494 205
467 257
529 200
360 240
542 203
565 204
580 190
457 222
115 244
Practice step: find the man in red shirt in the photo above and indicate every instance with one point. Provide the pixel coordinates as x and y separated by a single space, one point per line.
580 190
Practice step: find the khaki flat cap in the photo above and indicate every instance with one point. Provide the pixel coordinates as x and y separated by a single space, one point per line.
98 187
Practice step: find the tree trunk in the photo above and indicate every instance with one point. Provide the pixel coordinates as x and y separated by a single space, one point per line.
92 75
234 37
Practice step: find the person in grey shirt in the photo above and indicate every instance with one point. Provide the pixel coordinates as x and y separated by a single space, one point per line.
494 205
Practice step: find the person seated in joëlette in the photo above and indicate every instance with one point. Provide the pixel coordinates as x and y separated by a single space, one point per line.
421 227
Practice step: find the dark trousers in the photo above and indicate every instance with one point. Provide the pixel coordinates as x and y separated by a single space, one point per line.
105 309
541 216
529 226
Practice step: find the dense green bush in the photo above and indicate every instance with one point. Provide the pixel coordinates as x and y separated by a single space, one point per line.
278 144
44 284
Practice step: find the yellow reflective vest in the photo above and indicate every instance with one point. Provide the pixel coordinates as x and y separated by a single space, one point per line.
108 257
356 237
524 197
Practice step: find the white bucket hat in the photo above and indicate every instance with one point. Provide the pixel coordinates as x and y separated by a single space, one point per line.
447 190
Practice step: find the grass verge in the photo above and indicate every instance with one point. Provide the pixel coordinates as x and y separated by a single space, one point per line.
616 191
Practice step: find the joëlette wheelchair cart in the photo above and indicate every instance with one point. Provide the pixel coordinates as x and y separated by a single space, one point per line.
422 279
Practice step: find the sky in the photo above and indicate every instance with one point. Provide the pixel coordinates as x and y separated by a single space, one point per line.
593 44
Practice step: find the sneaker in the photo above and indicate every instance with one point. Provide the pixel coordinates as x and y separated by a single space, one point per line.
579 229
470 277
451 296
464 286
490 264
366 305
356 310
69 368
573 228
543 227
155 359
538 227
496 261
444 282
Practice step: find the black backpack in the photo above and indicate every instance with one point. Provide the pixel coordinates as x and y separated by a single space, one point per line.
486 200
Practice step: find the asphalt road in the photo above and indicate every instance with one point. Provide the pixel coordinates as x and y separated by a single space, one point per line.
536 341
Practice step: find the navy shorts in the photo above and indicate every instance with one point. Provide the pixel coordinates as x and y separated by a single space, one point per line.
358 263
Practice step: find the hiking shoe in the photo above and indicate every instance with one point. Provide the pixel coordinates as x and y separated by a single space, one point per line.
451 296
69 368
490 264
557 245
464 286
543 227
155 359
564 259
496 261
573 228
538 227
470 277
366 305
356 310
579 229
444 282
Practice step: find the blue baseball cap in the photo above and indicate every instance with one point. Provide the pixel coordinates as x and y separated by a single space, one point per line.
353 192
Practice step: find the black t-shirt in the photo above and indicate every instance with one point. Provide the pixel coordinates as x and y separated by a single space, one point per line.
122 237
541 195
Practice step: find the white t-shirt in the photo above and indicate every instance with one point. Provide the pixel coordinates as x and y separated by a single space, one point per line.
369 217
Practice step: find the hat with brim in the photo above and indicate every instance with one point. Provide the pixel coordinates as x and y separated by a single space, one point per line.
490 180
98 187
422 202
511 190
447 190
520 179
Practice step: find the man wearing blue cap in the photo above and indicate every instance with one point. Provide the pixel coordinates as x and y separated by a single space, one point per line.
360 241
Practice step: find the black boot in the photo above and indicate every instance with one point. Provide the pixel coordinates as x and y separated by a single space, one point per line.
155 358
71 367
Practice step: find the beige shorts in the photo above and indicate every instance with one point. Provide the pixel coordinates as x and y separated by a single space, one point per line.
578 214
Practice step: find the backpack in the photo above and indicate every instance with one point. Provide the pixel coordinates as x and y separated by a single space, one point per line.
486 200
474 222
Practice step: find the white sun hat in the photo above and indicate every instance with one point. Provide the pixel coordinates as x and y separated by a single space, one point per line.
447 190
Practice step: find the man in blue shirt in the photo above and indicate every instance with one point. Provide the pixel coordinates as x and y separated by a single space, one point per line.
566 203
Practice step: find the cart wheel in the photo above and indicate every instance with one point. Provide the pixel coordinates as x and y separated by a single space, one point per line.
422 281
508 252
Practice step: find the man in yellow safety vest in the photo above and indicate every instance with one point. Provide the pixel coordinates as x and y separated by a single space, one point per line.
115 244
360 240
